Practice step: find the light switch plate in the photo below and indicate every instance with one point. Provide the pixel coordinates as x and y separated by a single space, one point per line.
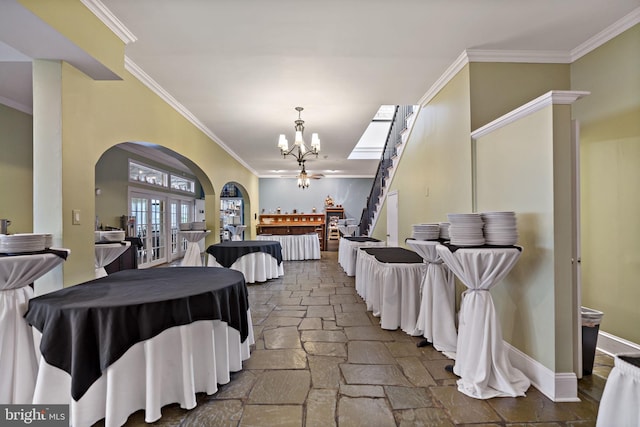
75 219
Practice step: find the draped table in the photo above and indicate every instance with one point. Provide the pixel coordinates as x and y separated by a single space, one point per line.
106 253
388 279
481 360
619 402
141 339
258 260
296 247
192 256
18 359
348 251
436 320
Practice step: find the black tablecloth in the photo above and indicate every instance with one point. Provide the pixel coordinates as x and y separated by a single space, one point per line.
454 248
87 327
361 239
226 253
61 254
393 255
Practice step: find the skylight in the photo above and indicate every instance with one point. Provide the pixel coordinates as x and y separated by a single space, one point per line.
372 140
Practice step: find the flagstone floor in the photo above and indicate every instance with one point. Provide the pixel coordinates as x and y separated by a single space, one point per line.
321 359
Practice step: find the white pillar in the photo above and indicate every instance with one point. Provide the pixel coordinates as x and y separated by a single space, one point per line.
47 161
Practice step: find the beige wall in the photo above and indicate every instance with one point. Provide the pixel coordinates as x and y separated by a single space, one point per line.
610 174
436 160
497 88
16 169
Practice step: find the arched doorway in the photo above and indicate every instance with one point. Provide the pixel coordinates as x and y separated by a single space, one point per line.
233 212
149 192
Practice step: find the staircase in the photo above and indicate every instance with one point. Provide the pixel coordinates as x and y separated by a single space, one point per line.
392 152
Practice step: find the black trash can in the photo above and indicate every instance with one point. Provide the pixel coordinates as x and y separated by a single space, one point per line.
590 326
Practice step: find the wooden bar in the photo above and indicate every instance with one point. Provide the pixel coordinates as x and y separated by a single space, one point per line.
293 224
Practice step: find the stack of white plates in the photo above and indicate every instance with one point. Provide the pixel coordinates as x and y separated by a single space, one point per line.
27 242
425 231
185 226
444 230
500 228
199 226
465 229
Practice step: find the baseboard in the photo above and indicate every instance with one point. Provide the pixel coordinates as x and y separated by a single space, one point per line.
612 345
559 387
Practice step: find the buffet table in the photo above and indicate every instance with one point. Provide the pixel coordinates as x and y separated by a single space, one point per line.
106 253
18 360
348 251
141 339
192 256
258 260
619 402
437 318
388 279
481 360
296 247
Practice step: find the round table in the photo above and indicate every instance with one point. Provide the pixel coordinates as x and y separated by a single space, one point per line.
236 231
436 320
192 256
19 367
481 360
106 253
258 260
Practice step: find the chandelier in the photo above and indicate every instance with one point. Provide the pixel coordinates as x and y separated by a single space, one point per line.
303 178
299 150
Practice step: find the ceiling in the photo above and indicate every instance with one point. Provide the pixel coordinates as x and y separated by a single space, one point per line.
239 68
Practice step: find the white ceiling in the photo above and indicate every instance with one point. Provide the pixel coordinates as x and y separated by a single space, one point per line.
241 67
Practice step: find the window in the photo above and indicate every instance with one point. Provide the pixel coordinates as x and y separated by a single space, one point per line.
183 184
146 174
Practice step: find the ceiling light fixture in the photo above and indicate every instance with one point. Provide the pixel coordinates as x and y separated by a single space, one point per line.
299 150
303 178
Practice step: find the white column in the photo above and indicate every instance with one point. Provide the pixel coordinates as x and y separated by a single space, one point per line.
47 161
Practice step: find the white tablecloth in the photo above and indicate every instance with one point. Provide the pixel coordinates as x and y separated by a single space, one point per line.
481 360
18 359
348 254
391 291
256 266
619 405
192 257
106 253
171 367
296 247
436 321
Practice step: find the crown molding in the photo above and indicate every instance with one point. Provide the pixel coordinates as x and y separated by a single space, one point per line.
530 56
607 34
442 81
138 73
110 20
550 98
524 56
16 105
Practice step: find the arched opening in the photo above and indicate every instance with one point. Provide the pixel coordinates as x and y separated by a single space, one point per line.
234 212
149 191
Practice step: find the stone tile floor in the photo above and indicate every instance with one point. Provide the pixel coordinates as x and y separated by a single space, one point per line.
321 359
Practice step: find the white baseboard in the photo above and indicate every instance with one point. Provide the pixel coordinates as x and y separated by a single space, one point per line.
612 345
559 387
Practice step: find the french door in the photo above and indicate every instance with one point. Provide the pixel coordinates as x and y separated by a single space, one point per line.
158 220
180 211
